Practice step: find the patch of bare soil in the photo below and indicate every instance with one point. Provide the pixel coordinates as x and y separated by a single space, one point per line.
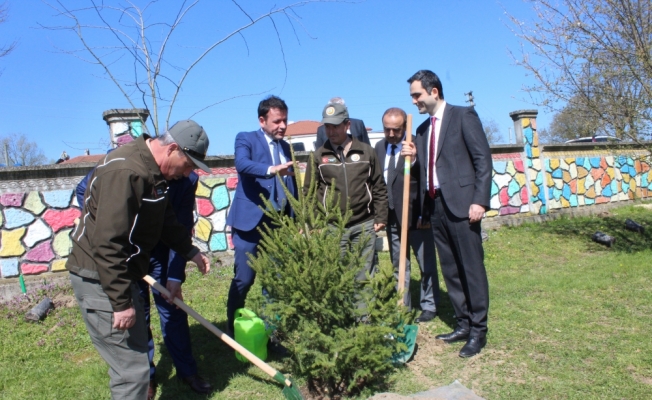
80 358
643 379
491 365
64 300
429 355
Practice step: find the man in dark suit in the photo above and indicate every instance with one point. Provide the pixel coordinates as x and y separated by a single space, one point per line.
263 160
356 129
455 176
391 155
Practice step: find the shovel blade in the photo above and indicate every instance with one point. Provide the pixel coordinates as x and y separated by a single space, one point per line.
410 340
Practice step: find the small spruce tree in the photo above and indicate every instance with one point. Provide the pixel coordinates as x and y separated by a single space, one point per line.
341 333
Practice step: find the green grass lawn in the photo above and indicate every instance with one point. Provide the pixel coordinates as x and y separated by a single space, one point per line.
568 319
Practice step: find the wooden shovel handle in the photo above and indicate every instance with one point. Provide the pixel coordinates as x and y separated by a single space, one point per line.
405 211
225 338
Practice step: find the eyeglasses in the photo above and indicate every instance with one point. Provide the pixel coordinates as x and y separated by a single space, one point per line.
193 153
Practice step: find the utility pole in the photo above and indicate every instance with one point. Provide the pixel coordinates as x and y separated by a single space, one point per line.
6 156
469 95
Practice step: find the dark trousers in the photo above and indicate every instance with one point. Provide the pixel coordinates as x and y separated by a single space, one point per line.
422 243
354 235
244 243
461 257
174 325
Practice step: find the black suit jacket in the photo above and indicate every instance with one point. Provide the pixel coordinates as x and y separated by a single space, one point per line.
358 131
396 186
463 161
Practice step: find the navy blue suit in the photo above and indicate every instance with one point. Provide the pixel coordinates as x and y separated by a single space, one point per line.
163 264
252 161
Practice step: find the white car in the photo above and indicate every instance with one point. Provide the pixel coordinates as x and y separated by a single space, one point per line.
594 139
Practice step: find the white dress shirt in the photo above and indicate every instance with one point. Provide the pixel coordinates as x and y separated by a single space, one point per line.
439 114
271 151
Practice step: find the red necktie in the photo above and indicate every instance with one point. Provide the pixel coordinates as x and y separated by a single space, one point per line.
431 159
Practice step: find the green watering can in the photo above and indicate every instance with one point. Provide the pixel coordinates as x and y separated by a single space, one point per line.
250 332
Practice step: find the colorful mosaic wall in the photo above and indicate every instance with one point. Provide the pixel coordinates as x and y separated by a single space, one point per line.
534 170
509 193
35 227
35 231
518 184
38 216
564 179
214 196
596 178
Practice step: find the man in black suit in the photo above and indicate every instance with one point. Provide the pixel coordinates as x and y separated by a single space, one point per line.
392 157
455 177
357 128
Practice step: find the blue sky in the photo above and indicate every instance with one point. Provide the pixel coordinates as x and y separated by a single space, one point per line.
361 51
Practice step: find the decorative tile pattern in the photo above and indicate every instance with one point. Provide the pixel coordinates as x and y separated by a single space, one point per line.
15 217
205 207
42 252
596 178
37 232
12 199
217 242
203 229
9 267
34 204
509 193
58 219
58 198
33 269
59 265
10 244
37 216
62 243
202 191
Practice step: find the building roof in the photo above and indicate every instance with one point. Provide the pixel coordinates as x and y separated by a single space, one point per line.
301 128
93 158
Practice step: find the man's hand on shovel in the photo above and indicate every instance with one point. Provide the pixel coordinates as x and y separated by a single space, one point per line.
174 287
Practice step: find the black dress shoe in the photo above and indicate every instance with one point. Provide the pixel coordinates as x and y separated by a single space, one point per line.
455 336
426 316
473 346
197 384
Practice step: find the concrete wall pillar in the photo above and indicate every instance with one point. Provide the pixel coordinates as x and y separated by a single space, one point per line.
125 124
525 129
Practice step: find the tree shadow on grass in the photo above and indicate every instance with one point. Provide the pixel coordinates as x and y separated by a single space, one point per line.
216 363
582 228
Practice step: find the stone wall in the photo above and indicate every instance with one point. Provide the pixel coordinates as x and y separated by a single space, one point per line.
39 209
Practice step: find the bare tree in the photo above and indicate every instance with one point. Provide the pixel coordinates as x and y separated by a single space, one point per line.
596 54
491 130
19 151
572 122
6 49
114 34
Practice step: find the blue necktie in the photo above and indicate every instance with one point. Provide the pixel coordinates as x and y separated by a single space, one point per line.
281 199
391 174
